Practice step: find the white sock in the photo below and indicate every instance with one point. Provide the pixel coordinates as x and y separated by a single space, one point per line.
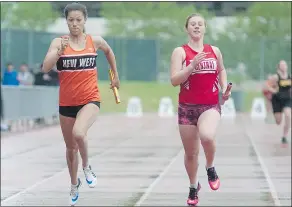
87 167
74 186
195 185
208 167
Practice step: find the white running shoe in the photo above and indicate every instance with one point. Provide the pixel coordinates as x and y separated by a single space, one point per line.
90 177
74 193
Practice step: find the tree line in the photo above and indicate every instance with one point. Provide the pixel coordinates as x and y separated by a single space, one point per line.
258 37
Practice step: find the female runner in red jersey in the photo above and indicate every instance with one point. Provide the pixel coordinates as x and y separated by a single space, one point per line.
199 70
79 97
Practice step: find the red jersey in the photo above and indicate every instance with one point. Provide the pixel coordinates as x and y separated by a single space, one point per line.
202 86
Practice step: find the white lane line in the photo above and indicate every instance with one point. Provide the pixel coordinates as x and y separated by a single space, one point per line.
55 175
265 171
154 183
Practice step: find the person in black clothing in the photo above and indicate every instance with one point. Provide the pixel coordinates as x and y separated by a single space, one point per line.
46 79
4 127
281 98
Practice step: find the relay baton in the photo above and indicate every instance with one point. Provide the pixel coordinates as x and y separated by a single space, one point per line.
229 86
115 90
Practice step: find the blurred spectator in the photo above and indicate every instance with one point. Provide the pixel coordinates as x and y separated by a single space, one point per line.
25 77
10 76
47 79
4 127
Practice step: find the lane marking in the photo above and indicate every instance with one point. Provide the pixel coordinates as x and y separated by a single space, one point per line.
265 170
161 175
56 174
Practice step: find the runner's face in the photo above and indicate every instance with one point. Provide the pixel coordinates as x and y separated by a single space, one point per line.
196 27
283 66
75 21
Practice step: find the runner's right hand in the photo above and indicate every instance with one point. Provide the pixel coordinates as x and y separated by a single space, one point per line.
64 44
197 59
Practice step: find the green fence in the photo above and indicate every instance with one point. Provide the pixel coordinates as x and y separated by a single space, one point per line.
260 55
146 59
137 59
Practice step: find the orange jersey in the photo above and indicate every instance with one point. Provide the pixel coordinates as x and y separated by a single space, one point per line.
78 75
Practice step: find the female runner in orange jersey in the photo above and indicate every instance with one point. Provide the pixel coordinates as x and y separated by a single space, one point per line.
79 98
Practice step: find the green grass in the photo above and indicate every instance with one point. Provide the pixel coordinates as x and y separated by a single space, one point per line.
248 98
150 94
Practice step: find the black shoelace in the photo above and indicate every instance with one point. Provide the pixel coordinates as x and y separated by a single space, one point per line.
193 194
212 175
74 191
92 172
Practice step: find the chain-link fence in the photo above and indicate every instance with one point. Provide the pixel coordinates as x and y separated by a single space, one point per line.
148 59
253 58
137 59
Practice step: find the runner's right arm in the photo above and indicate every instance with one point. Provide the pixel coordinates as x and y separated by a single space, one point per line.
52 56
273 79
178 75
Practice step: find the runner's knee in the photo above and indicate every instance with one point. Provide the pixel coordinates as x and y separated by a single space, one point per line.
207 136
278 120
71 144
192 155
78 134
287 113
73 149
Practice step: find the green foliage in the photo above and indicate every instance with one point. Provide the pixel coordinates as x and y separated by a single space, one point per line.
5 7
162 20
28 15
147 19
270 19
259 37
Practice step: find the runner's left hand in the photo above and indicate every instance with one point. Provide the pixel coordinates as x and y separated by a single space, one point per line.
115 83
225 96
